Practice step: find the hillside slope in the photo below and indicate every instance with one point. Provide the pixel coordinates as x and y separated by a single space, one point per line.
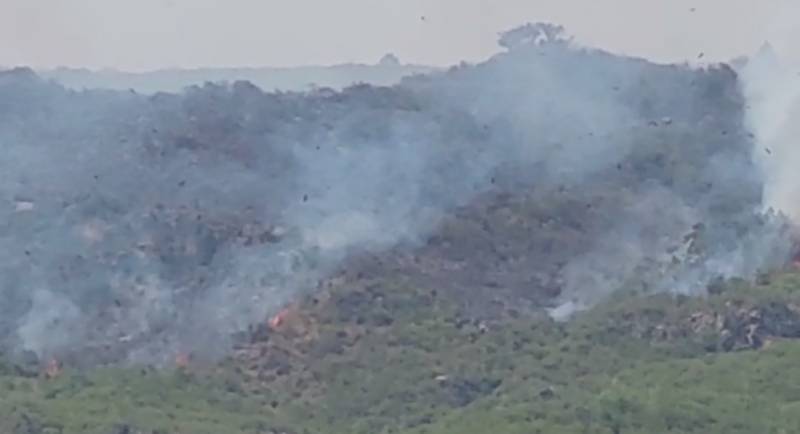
149 226
554 240
643 364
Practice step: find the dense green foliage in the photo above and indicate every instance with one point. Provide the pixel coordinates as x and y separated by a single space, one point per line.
636 364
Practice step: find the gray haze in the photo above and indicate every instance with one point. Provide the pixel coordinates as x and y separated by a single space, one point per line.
300 78
156 34
139 226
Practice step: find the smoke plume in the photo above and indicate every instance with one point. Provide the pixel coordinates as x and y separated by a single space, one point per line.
138 226
772 87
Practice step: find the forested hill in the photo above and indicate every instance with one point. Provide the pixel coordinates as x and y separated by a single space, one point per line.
557 239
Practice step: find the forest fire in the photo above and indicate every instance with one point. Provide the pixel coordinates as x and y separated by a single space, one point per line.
176 252
291 323
276 321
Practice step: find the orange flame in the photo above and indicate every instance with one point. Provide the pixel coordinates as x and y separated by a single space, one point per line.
278 319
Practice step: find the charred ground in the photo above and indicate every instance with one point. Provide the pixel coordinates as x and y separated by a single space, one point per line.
415 236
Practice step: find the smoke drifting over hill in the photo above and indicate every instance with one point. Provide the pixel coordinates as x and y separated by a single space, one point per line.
137 227
773 92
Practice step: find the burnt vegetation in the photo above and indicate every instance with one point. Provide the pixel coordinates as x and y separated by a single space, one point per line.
383 259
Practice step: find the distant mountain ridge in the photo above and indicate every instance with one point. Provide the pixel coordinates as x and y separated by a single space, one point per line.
387 72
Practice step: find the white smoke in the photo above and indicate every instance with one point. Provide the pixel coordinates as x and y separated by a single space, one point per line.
170 223
771 84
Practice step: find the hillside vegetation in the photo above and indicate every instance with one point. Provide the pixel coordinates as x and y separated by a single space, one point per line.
556 240
635 364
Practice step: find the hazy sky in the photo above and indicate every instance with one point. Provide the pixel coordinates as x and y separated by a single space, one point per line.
149 34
